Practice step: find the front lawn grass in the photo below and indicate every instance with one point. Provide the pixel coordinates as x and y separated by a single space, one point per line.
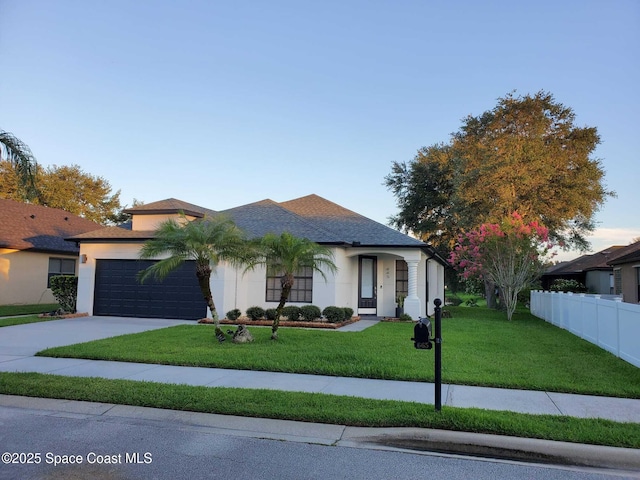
480 347
7 322
8 310
321 408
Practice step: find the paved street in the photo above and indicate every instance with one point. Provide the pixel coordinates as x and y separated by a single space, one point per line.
125 448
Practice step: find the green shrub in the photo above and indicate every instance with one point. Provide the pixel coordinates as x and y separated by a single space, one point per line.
234 314
310 312
65 289
348 312
291 312
270 313
471 302
564 285
405 318
255 313
454 301
333 314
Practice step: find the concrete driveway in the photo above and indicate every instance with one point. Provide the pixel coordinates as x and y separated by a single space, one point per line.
28 339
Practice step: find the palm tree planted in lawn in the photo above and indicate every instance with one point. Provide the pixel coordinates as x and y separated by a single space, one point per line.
208 241
19 155
285 255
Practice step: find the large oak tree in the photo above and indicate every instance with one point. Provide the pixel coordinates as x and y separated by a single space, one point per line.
526 154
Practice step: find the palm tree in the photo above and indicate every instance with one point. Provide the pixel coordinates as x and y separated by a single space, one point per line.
208 241
285 255
21 158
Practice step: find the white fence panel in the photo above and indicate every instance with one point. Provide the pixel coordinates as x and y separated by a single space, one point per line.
589 319
607 317
629 333
606 322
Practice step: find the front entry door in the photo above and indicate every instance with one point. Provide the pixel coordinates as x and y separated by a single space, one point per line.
367 282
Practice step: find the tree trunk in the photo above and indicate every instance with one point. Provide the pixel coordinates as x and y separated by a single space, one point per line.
490 293
286 283
203 272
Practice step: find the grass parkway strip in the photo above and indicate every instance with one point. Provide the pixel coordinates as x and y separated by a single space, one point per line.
321 408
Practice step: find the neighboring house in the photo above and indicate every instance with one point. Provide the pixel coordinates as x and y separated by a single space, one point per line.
376 264
626 273
33 249
593 271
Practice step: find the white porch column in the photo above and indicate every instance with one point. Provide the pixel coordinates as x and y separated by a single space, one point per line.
412 306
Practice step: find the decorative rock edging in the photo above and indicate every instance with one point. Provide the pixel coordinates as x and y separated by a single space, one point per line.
64 315
283 323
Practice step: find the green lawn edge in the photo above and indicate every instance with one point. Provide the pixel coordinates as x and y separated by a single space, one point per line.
9 310
9 322
320 408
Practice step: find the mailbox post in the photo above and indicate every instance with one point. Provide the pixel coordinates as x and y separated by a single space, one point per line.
423 341
438 363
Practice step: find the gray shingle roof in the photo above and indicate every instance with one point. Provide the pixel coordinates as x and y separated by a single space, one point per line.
347 226
630 253
24 226
595 261
311 217
267 216
170 205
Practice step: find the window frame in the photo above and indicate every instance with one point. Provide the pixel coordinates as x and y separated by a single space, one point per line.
302 286
61 261
402 278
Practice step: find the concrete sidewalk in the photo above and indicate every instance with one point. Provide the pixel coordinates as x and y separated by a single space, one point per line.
524 401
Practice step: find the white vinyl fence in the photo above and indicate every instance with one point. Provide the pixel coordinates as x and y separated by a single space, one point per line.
608 323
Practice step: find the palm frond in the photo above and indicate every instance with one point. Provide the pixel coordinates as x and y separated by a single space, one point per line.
287 254
161 269
20 156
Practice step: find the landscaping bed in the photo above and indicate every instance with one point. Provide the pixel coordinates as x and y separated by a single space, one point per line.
55 316
320 323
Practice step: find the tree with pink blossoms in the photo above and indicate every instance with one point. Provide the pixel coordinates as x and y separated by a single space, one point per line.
508 254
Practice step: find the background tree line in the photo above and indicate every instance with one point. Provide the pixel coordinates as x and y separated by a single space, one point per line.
66 187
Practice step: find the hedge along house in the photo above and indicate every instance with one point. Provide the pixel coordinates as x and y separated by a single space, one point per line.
376 264
33 249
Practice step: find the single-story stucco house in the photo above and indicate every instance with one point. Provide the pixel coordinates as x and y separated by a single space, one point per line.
33 249
626 273
593 271
376 264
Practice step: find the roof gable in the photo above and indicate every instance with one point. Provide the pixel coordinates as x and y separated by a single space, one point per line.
347 226
25 226
267 216
630 253
168 206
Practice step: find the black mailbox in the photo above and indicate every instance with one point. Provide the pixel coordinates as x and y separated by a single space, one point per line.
422 334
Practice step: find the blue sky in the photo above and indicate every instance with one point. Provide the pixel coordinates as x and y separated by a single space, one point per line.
222 103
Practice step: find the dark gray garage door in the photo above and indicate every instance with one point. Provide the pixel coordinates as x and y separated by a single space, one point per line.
118 292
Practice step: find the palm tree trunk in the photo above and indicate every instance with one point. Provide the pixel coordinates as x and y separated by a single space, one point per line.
203 272
287 283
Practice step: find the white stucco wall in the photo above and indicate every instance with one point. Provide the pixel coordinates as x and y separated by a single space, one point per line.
151 222
436 284
231 288
234 288
87 271
23 277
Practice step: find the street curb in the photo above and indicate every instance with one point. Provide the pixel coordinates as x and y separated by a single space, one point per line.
497 446
417 439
